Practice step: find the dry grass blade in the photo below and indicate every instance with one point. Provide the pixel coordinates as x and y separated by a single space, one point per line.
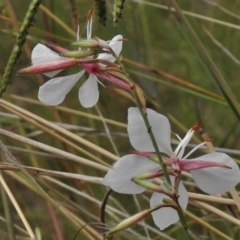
208 226
45 172
20 111
72 111
17 207
53 150
213 199
216 211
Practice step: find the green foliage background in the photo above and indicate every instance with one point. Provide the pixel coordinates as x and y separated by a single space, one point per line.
155 39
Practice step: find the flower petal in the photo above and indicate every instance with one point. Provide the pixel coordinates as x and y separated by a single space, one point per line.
88 93
116 46
54 91
164 217
215 180
127 167
138 133
43 54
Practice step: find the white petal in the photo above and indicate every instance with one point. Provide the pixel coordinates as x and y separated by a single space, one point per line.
164 217
116 46
43 54
215 180
138 133
88 93
127 167
54 91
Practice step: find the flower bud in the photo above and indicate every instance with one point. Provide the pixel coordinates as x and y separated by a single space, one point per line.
57 48
149 185
141 96
149 175
118 75
86 43
49 66
102 43
129 222
122 93
80 54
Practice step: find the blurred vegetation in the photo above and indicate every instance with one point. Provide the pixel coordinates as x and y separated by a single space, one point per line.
158 56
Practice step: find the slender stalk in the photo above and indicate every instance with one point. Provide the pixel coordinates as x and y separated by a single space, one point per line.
16 51
161 162
53 150
70 111
18 209
20 111
145 119
183 221
206 225
206 59
7 212
192 14
36 187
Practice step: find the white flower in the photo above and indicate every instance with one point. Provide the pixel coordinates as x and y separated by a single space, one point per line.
129 166
209 178
54 91
205 170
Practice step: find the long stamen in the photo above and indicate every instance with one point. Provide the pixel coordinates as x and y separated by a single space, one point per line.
181 147
89 24
78 29
194 149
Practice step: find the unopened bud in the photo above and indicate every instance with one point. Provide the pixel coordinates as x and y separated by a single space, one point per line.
102 43
80 54
86 43
122 93
141 96
149 175
149 185
49 66
119 75
57 48
129 222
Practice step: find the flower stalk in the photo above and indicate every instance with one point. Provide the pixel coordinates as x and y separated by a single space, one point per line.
141 106
134 219
149 130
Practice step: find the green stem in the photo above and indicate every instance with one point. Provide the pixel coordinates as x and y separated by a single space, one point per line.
145 119
21 37
160 160
149 129
183 221
206 59
7 212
